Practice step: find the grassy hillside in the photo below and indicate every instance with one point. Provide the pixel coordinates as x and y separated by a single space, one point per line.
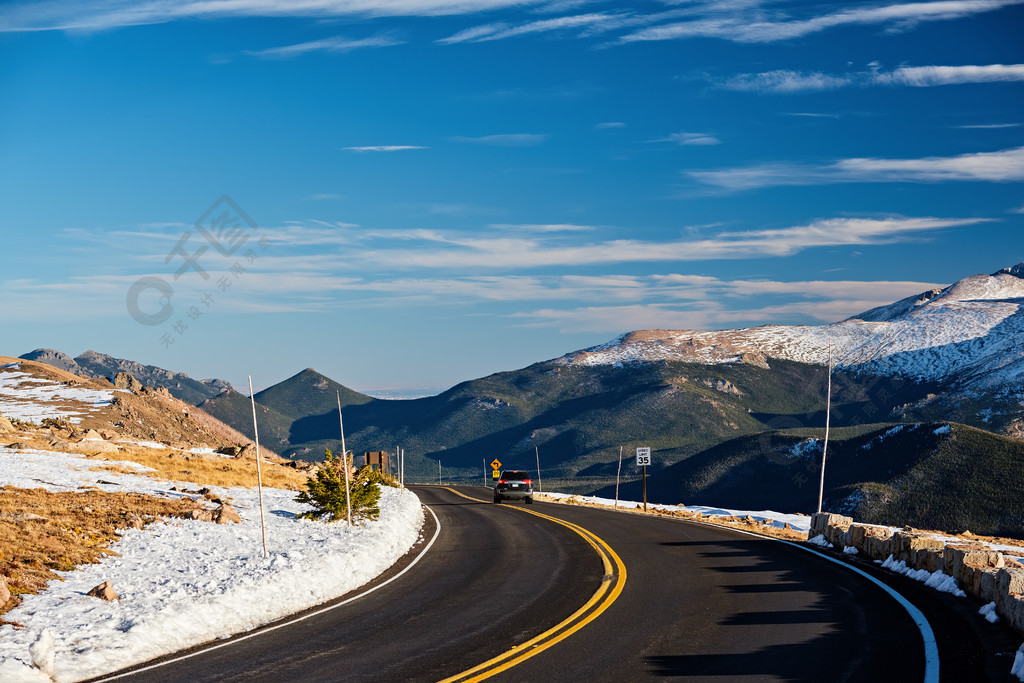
309 393
578 415
235 409
885 474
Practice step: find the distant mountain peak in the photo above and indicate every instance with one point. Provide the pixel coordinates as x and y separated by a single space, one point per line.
1016 271
967 333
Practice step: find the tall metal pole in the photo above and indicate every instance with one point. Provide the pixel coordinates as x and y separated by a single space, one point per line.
540 484
259 472
401 468
828 414
438 472
617 478
645 487
344 462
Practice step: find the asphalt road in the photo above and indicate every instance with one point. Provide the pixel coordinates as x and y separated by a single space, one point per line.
698 602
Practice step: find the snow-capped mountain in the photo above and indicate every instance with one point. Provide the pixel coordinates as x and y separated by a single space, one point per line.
970 335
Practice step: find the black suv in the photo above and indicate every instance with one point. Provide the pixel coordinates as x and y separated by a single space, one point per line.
514 484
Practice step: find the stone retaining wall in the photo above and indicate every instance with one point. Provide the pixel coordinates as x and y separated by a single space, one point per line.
985 574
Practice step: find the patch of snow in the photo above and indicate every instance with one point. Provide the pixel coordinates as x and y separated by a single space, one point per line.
805 448
1018 664
938 580
779 519
184 582
33 399
851 550
944 429
989 612
819 540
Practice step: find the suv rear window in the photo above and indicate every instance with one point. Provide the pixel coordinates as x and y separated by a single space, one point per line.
515 475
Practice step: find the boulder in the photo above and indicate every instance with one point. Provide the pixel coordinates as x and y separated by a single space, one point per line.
233 451
225 514
126 380
5 592
247 451
201 515
5 426
91 435
104 591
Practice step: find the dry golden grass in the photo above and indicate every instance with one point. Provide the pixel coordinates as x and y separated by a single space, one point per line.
42 532
207 470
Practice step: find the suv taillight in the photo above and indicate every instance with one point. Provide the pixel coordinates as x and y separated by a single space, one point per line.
503 481
527 481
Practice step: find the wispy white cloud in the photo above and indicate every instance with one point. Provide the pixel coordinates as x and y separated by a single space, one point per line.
337 44
462 251
1002 166
384 148
811 115
926 76
96 15
505 139
786 81
501 31
751 27
984 126
609 124
699 139
545 227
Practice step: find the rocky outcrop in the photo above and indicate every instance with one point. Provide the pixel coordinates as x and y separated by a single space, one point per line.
5 426
5 592
126 380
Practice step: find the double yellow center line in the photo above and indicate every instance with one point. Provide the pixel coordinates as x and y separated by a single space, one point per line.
609 590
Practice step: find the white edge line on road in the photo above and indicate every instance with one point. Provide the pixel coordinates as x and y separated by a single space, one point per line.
931 647
437 532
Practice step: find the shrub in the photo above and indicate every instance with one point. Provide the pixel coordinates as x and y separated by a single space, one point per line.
325 492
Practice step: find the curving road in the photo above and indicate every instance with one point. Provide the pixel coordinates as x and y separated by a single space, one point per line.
696 602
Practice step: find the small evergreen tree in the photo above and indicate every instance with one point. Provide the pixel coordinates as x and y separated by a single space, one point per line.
325 492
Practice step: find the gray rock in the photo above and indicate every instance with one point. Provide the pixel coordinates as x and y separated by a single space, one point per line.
126 380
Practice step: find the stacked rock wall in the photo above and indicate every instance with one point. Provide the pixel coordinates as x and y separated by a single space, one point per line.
985 574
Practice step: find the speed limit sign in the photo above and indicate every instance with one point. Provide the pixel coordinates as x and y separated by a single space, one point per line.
643 457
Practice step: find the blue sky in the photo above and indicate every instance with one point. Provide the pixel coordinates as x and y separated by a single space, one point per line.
433 190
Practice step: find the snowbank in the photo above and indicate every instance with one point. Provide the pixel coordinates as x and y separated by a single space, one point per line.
938 580
185 582
779 519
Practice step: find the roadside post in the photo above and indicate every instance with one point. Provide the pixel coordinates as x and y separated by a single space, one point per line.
643 459
540 485
495 469
259 472
617 473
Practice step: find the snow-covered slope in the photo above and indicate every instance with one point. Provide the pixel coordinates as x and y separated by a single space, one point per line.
970 333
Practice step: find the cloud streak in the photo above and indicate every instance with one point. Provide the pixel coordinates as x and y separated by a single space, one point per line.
468 252
1003 166
696 139
384 148
750 27
786 81
337 44
505 139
